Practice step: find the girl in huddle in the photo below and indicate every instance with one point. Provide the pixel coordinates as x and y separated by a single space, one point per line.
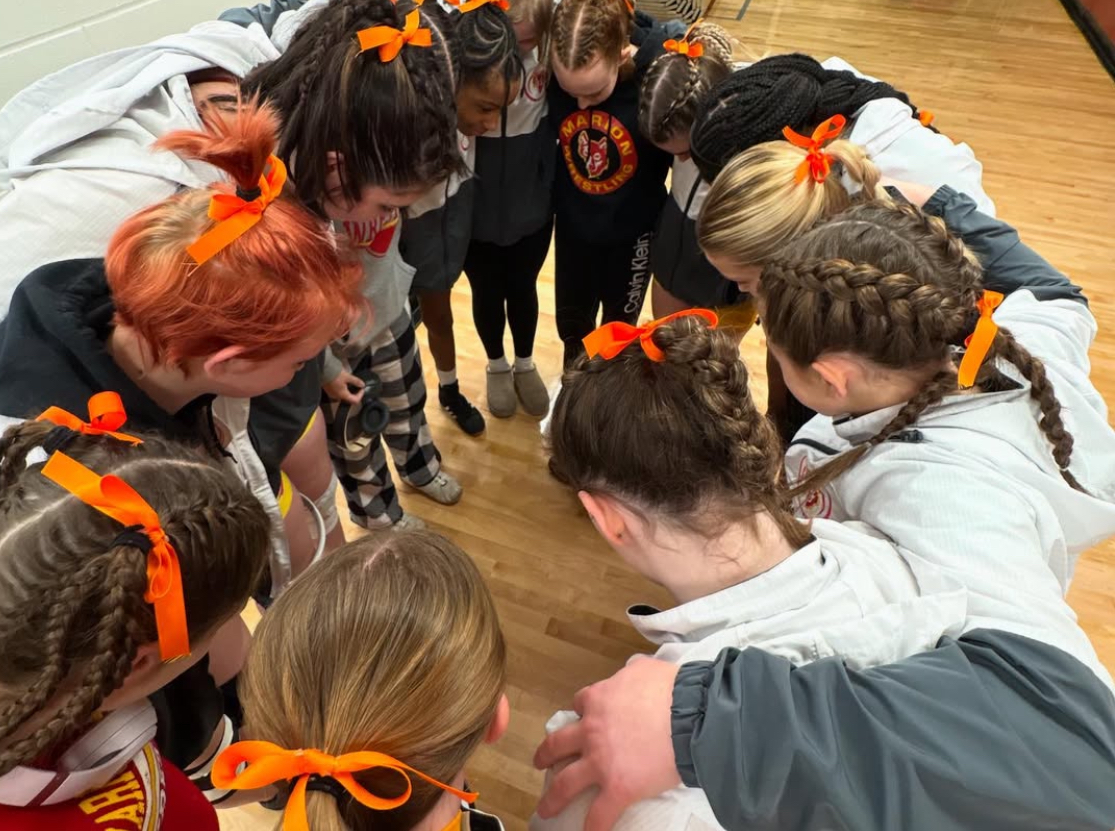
361 165
668 101
99 609
610 186
186 318
884 322
438 227
743 570
410 625
512 222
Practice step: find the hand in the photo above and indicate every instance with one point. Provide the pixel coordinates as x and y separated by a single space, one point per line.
623 742
346 388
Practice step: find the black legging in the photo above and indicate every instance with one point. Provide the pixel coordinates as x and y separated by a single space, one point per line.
504 282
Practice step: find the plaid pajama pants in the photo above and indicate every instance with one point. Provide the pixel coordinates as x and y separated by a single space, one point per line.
364 475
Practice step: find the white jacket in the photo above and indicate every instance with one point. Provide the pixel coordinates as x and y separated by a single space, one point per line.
75 147
972 487
847 595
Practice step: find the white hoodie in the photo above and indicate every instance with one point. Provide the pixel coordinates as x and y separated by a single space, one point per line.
847 595
75 147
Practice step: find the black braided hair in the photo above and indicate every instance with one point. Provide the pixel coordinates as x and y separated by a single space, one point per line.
752 105
486 43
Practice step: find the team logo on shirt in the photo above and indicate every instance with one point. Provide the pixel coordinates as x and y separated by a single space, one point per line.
373 237
535 87
598 150
816 503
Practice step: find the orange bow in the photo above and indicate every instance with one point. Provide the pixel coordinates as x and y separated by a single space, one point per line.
235 215
979 342
114 497
390 41
817 163
473 5
106 414
612 338
926 118
267 763
684 47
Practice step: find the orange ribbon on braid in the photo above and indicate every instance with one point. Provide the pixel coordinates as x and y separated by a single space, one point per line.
925 117
390 41
817 163
473 5
114 497
612 338
979 342
266 763
106 415
235 214
684 47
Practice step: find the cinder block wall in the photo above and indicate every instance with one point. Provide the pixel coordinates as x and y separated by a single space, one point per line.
38 37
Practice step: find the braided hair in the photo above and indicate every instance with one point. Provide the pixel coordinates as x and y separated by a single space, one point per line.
890 284
674 84
753 104
716 457
488 48
587 30
393 123
72 609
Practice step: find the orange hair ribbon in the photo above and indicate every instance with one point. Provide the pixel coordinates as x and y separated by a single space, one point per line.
979 342
390 41
235 214
114 497
925 117
473 5
612 338
106 414
817 163
684 47
267 763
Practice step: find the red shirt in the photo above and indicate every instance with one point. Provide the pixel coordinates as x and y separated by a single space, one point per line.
150 794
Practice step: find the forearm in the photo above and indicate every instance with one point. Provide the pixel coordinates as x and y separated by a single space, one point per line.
992 731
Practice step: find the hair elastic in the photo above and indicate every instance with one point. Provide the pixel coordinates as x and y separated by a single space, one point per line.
235 214
817 163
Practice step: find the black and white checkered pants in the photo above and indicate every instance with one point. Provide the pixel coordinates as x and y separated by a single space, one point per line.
364 474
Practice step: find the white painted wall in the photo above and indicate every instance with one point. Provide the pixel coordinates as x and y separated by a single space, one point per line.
38 37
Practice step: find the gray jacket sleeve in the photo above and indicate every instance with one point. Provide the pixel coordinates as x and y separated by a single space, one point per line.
265 14
1008 263
993 731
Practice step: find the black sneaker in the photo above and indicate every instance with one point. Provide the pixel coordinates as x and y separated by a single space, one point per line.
468 418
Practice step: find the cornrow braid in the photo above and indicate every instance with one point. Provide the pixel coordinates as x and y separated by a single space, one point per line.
488 47
72 608
393 123
674 84
701 418
892 285
585 30
753 104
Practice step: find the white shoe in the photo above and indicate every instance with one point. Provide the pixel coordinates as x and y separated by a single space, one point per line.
409 522
443 489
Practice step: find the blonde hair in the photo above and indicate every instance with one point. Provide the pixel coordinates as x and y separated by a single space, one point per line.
587 30
756 205
391 644
540 15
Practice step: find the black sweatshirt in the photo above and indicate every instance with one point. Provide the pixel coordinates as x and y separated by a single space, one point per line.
610 182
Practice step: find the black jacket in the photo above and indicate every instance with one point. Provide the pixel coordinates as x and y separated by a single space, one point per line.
610 182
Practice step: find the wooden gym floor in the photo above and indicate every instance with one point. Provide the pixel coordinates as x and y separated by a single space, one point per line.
1014 79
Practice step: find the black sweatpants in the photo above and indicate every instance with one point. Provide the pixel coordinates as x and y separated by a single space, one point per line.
504 280
589 277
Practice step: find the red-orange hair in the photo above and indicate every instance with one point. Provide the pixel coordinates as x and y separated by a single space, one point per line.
281 282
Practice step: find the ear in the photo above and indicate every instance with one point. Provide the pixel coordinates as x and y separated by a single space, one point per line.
499 721
835 372
627 53
146 661
218 363
609 521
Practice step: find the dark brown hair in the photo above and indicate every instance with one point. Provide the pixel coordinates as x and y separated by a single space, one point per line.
584 30
406 658
394 123
891 284
674 84
680 438
71 601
